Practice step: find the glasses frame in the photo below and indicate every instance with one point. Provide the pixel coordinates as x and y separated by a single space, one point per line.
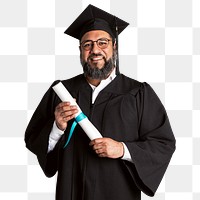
100 39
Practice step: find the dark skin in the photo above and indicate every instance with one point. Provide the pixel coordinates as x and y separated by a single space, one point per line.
103 147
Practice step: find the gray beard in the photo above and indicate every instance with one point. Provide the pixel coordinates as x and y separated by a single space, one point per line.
95 72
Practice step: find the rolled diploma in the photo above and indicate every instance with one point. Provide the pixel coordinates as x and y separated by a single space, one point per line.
85 124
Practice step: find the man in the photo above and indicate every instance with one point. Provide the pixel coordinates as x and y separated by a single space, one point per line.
137 142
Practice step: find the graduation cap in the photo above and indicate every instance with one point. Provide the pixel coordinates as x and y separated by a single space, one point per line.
93 18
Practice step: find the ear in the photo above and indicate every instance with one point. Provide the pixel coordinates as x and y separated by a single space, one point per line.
114 45
80 48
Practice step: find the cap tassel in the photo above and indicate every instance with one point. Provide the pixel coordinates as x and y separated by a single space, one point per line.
117 60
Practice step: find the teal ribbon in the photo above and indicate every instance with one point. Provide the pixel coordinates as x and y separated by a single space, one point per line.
79 118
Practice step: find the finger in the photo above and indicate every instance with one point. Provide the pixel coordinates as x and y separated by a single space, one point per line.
96 141
66 119
99 151
66 108
102 155
91 143
60 105
68 113
63 117
98 146
66 103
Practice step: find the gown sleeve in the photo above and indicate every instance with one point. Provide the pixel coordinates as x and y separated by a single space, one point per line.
38 130
152 152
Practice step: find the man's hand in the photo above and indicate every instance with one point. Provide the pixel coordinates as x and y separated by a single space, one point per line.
107 147
63 113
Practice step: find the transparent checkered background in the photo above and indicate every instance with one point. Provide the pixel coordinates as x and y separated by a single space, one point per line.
161 46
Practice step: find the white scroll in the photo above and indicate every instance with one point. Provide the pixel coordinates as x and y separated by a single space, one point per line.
80 118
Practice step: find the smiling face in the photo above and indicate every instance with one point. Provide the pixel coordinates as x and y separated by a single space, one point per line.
97 56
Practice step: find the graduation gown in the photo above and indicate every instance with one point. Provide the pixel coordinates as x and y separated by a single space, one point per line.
125 110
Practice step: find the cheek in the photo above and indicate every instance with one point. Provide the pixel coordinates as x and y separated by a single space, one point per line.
109 54
84 56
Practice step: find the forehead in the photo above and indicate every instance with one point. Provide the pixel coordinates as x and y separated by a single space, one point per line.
94 35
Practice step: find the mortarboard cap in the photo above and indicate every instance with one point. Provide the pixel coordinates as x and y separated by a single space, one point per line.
93 18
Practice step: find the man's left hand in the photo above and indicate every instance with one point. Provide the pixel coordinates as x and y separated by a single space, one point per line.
107 147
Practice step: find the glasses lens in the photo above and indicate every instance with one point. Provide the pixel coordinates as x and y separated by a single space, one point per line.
87 45
102 43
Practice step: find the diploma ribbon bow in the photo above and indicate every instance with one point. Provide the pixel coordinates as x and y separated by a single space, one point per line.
79 118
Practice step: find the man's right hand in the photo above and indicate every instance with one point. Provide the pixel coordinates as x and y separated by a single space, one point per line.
63 113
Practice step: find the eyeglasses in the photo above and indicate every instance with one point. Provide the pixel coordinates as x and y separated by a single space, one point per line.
102 43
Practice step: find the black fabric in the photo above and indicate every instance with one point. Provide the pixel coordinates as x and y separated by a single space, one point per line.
97 24
93 18
127 111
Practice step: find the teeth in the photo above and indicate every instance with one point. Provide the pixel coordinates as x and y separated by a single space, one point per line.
95 59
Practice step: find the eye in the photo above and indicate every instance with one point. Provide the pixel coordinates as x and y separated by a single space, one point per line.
103 43
87 44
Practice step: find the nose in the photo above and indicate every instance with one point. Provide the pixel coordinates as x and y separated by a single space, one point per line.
95 49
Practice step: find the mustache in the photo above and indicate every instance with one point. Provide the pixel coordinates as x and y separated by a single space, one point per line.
95 55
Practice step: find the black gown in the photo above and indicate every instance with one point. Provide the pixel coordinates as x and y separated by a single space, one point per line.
127 111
